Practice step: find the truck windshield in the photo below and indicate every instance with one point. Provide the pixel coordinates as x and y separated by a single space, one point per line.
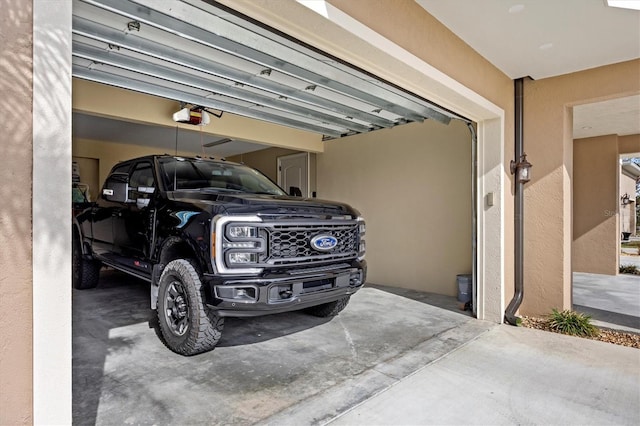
187 173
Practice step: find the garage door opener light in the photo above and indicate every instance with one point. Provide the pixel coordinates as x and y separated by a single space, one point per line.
196 116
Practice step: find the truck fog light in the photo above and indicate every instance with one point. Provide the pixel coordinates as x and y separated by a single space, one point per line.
355 279
239 258
243 232
234 293
245 293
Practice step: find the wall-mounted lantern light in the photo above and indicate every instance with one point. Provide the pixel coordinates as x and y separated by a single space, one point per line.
522 169
626 200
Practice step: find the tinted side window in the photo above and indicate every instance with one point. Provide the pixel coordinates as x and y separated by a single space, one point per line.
142 175
122 169
141 184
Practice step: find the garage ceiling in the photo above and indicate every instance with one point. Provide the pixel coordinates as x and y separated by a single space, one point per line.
542 38
546 38
202 54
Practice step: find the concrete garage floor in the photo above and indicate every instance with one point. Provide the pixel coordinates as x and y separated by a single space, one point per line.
273 369
392 357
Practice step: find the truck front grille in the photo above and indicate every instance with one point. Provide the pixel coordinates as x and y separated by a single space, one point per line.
291 244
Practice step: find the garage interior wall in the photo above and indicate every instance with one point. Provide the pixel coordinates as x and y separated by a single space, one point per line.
412 184
107 101
109 153
595 205
265 160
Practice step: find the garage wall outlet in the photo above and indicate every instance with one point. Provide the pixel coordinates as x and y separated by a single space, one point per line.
489 198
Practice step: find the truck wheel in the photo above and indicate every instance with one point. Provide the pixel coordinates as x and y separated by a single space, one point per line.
330 309
188 327
85 272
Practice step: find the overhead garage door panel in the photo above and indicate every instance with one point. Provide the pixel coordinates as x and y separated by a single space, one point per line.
202 54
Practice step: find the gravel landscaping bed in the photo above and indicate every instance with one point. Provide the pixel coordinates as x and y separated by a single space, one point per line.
604 335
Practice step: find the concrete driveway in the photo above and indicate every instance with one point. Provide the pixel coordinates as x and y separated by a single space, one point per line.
613 301
392 357
513 376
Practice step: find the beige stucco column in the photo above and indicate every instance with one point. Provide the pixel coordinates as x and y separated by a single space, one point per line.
548 136
596 233
15 213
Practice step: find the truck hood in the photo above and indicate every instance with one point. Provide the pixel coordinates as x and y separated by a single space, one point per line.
243 203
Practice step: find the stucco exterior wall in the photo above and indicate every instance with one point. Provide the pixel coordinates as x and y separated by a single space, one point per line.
595 205
412 184
629 144
548 134
15 215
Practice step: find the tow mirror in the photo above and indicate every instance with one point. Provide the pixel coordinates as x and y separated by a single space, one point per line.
116 188
142 202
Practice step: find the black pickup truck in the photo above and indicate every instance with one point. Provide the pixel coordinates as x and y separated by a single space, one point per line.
217 239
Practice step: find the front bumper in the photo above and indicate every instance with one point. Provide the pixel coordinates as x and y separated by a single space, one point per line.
287 291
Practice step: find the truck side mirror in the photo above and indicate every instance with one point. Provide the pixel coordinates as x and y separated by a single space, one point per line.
143 198
116 188
294 191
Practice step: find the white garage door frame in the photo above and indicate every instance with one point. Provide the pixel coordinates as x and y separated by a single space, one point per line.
52 183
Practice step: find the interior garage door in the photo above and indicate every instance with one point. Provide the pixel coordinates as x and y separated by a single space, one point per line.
203 54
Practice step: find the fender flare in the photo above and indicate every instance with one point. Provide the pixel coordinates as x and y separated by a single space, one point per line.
163 259
76 229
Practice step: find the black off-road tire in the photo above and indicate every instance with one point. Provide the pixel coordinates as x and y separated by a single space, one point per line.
188 327
330 309
85 273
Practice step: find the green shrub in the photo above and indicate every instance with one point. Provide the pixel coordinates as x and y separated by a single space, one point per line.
629 269
630 244
572 323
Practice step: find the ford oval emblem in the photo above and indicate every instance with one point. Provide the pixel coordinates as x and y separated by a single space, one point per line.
324 242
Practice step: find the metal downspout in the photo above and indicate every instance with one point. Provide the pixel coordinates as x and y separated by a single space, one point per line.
510 313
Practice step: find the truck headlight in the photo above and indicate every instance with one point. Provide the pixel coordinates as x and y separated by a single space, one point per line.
243 231
239 244
362 228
